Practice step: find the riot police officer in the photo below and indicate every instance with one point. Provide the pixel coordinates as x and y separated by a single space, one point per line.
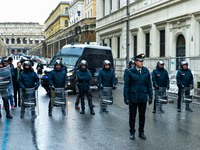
137 91
130 65
57 79
28 79
184 78
6 81
83 82
160 78
106 78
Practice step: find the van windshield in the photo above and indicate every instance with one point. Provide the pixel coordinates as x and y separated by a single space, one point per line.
69 60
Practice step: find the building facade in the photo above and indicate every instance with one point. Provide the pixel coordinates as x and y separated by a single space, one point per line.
162 29
78 31
3 48
76 11
57 20
20 37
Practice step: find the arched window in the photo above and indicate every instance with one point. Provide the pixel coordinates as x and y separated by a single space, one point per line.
180 50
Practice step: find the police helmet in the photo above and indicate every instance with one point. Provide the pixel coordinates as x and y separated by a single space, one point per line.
1 61
83 63
27 63
58 62
106 62
160 62
184 63
10 59
131 61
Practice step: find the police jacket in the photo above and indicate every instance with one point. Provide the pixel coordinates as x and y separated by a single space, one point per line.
184 77
137 86
106 77
83 79
58 78
28 79
160 77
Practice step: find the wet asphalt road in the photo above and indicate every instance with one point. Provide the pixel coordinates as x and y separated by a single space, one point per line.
171 130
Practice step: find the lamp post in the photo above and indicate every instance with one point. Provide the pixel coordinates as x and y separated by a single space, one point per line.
76 27
127 33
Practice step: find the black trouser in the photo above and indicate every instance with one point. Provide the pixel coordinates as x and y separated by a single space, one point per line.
6 105
17 94
133 111
180 95
89 97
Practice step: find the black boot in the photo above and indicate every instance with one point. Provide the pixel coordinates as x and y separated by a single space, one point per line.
154 106
50 108
92 111
77 102
91 107
141 135
6 104
132 135
82 110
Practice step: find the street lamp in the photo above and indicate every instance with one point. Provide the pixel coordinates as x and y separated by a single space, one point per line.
76 27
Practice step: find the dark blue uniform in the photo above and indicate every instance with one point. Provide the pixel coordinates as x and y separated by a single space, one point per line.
184 78
137 90
83 82
160 78
28 79
58 78
83 78
106 77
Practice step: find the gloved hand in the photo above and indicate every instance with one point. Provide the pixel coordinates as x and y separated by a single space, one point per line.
126 101
114 87
156 87
192 87
167 87
53 88
182 86
36 88
150 101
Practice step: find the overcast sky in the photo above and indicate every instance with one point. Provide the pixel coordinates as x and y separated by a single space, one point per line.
26 10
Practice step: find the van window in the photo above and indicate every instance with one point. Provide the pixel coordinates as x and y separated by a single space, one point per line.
95 57
72 51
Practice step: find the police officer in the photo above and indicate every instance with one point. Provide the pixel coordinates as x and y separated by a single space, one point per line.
28 79
5 99
130 65
160 78
184 78
57 79
106 78
137 91
83 82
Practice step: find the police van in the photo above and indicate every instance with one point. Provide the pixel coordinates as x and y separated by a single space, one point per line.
73 54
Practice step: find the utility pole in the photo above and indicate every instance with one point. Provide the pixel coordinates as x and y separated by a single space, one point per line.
127 32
